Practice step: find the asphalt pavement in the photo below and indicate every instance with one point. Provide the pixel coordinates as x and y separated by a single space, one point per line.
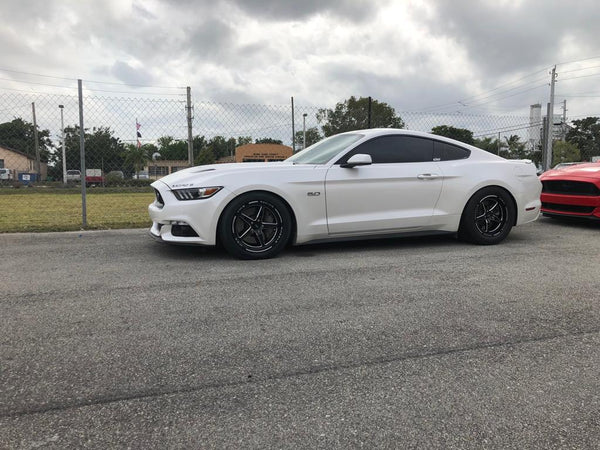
109 339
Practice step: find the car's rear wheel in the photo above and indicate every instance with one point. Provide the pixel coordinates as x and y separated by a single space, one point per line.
255 226
488 217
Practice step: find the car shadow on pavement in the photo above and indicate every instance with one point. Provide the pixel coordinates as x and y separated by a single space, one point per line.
388 243
589 224
191 252
186 252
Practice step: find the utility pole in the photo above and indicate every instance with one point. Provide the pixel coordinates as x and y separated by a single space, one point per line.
550 122
38 165
564 121
189 121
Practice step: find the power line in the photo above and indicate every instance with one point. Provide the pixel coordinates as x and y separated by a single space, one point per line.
36 74
91 89
478 102
579 70
86 81
577 60
595 95
37 84
506 129
487 93
582 76
134 85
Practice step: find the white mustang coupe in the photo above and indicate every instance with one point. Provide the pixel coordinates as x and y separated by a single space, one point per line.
367 183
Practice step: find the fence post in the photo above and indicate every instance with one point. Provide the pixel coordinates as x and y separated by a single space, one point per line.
293 129
38 164
82 156
189 121
369 122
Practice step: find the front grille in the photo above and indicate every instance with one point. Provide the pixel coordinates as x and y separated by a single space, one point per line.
567 187
568 208
159 199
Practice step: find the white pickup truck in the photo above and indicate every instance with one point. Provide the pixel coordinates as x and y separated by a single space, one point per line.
6 174
74 176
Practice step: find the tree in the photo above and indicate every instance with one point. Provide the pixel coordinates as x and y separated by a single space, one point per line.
514 149
199 143
460 134
102 150
312 136
19 135
585 134
268 141
489 144
136 158
172 149
243 140
205 156
222 147
564 152
353 114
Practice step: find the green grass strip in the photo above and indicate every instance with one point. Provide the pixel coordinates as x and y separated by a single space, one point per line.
40 211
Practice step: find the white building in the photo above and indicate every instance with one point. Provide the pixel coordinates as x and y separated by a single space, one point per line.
536 124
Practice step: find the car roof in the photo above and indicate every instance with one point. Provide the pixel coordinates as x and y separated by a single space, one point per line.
371 132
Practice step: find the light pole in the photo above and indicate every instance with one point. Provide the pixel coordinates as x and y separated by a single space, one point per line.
62 133
304 130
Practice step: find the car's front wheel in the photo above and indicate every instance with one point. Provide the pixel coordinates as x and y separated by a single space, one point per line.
488 217
255 226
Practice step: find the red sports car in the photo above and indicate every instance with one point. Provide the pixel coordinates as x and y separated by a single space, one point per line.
572 191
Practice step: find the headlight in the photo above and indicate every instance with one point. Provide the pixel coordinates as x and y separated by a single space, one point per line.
196 193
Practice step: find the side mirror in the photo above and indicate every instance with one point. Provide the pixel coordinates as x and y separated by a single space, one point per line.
358 160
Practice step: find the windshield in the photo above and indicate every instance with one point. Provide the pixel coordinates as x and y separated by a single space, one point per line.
324 150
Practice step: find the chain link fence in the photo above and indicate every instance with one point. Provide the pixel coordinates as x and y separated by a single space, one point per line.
132 140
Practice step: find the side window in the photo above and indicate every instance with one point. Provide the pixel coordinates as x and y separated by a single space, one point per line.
394 149
449 152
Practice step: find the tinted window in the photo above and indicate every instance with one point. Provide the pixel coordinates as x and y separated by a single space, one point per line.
449 152
394 149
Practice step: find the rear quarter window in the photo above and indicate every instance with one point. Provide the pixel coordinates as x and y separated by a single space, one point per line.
449 152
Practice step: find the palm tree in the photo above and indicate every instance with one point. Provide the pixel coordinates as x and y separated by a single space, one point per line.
137 157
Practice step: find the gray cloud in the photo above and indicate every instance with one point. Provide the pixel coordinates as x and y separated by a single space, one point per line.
503 37
212 38
409 54
130 75
353 10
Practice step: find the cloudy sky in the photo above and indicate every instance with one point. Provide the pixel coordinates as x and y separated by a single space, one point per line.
474 57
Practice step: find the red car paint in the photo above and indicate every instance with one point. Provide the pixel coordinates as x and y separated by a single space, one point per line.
572 191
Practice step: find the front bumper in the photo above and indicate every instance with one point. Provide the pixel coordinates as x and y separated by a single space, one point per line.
185 222
583 206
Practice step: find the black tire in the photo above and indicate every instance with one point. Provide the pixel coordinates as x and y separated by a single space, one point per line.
488 217
256 225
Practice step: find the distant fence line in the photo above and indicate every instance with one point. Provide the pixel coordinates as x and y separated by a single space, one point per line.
146 120
123 132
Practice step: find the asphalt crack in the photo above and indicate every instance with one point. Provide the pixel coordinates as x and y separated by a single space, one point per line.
253 379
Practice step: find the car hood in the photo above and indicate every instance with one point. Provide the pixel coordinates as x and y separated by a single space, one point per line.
199 175
591 170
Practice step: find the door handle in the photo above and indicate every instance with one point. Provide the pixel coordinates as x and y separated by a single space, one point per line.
428 176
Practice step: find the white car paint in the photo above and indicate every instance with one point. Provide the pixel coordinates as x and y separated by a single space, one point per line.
328 201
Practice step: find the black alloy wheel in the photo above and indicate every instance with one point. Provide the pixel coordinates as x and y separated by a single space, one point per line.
491 215
255 226
488 217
